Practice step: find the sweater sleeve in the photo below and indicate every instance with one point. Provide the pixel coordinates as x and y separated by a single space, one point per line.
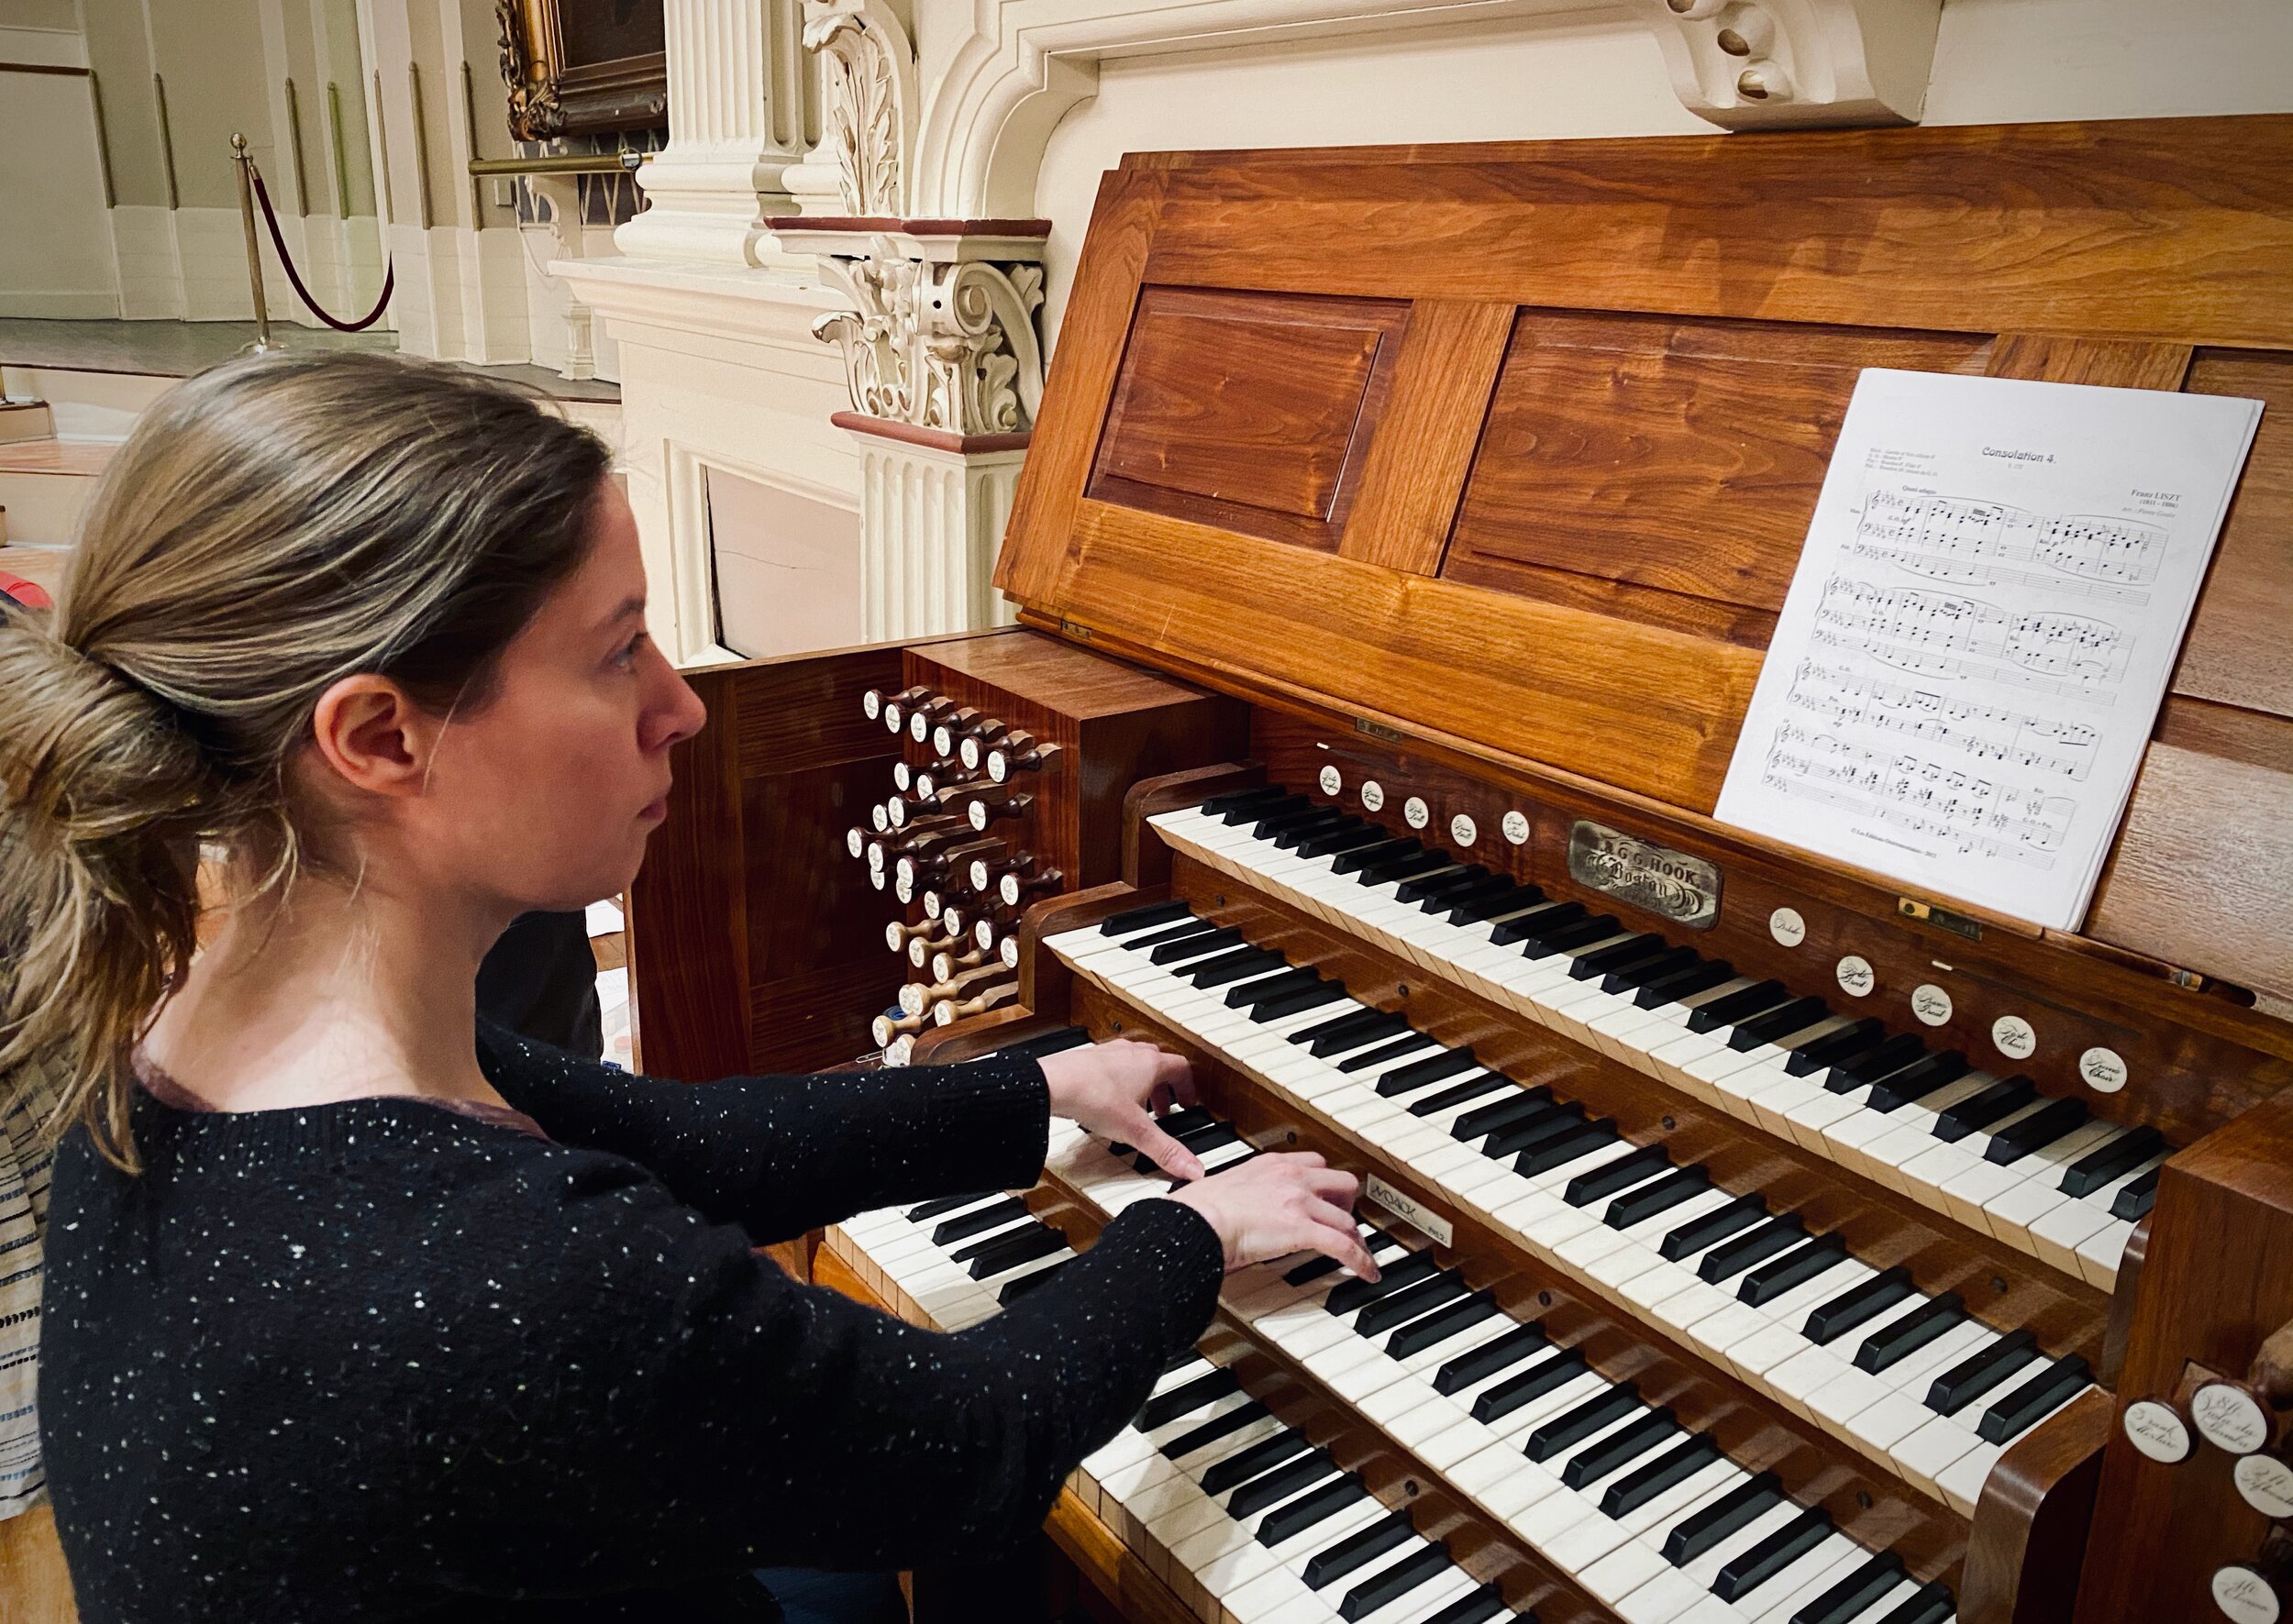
781 1155
702 1411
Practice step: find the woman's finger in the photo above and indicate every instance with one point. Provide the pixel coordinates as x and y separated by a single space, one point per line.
1166 1153
1333 1186
1172 1072
1345 1246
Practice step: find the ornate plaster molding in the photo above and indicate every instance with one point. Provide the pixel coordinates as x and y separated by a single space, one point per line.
943 341
868 100
1770 64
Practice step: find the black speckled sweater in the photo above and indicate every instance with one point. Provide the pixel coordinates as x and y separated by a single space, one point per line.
380 1361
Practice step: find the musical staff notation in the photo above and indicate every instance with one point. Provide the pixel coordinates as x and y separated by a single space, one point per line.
1953 538
1957 814
1841 697
1945 635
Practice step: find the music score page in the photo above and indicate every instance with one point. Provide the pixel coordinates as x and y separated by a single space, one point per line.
1981 630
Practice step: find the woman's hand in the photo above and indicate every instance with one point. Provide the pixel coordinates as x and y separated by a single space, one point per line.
1281 1202
1114 1089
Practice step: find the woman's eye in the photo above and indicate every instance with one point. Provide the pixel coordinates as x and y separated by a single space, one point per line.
627 656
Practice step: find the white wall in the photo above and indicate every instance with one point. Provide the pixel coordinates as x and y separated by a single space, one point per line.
53 173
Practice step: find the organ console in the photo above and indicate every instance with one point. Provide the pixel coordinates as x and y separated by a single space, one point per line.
1763 1243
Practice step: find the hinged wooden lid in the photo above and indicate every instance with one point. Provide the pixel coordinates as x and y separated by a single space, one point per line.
1515 446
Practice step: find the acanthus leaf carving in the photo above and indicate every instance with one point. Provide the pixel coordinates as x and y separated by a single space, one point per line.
944 344
868 100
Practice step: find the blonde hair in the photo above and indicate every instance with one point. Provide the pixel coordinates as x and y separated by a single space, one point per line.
272 525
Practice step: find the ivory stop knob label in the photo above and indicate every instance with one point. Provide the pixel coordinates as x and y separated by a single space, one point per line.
2267 1483
2156 1430
2228 1418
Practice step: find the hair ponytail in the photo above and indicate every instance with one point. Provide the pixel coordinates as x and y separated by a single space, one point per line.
272 525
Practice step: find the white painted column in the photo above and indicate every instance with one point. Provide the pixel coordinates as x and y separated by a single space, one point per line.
933 508
736 115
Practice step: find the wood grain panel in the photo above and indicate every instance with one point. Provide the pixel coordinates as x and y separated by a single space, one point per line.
1081 376
2112 363
1416 464
35 1587
2236 652
1649 709
1681 458
2178 230
2204 861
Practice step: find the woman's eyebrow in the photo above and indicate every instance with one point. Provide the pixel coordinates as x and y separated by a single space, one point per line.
629 606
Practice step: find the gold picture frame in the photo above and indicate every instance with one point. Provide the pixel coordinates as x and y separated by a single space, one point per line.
583 67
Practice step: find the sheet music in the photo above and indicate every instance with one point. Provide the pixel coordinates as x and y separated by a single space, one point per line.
1990 602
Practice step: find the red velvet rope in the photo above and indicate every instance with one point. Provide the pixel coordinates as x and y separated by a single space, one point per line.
278 241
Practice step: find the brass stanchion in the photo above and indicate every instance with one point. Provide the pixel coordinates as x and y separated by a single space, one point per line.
246 161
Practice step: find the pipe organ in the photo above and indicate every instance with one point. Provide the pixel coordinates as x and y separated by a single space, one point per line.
1762 1243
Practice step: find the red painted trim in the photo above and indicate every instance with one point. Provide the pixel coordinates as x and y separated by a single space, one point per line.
922 227
937 439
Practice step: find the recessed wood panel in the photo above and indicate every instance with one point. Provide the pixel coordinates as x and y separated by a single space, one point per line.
2238 651
1665 470
1246 411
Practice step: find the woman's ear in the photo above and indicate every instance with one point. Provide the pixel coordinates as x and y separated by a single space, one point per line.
375 737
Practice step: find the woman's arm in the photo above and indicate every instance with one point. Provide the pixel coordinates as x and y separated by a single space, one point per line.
779 1155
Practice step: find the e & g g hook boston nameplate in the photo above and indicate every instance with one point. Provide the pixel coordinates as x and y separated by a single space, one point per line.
1683 888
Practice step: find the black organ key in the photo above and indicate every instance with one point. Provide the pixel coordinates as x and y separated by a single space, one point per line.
1747 1570
1539 1379
1303 1513
1572 1427
1448 879
1011 1252
1452 900
1835 1047
1898 1338
1704 977
1826 1322
1676 1465
1656 1195
1139 919
1403 1306
1872 1065
1235 801
1304 978
1534 1131
1292 835
1954 1387
1357 1549
1440 1325
1712 1228
1407 865
1564 1148
1918 1080
1185 944
1298 1003
1556 917
931 1209
1693 1536
1229 967
1643 971
2036 1132
2011 1415
1423 1074
1476 1365
2133 1201
1932 1604
1489 906
1288 816
1369 856
1478 1608
1342 1030
2108 1163
1778 1023
993 1216
1794 1269
1618 1449
1181 1360
1369 1030
1258 1460
1740 1005
1169 1405
1216 1428
1012 1290
1862 1589
1050 1043
1347 835
1487 1119
1600 961
1271 1488
1386 1054
1349 1294
1621 1174
1994 1104
1581 934
1750 1249
1389 1585
1462 1093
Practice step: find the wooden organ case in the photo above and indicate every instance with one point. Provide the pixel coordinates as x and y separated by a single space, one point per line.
1478 475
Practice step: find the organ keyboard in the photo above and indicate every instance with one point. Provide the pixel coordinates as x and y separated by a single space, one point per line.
1763 1244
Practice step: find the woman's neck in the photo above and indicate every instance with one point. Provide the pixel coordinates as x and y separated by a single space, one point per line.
332 992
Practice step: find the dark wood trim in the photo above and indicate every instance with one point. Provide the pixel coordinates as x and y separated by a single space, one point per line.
926 225
936 439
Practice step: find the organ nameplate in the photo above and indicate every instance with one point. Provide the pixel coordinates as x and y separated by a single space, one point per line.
1683 888
1410 1209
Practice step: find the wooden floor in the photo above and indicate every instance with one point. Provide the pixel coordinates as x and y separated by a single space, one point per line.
56 457
34 1587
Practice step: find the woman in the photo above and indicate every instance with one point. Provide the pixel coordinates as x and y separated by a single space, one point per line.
353 1315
